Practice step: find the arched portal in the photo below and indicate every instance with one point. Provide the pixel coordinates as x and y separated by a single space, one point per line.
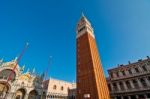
4 88
33 95
20 94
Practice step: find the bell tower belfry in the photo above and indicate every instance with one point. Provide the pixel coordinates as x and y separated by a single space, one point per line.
91 82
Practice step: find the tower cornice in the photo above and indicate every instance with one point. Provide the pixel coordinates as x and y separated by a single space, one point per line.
83 27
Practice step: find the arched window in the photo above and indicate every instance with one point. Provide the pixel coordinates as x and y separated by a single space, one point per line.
121 85
148 63
143 82
111 75
62 88
123 73
115 86
117 74
144 68
54 87
130 72
135 83
137 70
128 84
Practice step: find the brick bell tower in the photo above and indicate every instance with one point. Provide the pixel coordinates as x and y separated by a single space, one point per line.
91 82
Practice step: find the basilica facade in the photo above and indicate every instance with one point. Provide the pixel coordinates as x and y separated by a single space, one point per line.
29 85
22 85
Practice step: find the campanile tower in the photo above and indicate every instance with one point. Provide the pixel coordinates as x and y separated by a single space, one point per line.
91 82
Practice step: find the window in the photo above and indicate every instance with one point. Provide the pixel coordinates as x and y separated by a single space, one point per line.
22 83
130 72
111 75
68 88
117 74
121 85
144 68
123 73
128 84
62 88
54 87
137 70
148 63
143 82
81 29
135 84
115 86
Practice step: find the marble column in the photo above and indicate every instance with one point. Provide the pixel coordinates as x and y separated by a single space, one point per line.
147 82
140 69
137 96
115 97
112 88
114 75
118 86
122 97
131 83
125 86
139 83
133 71
26 96
129 97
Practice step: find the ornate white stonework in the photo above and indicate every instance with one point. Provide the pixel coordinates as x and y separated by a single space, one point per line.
28 85
84 26
21 85
57 89
131 81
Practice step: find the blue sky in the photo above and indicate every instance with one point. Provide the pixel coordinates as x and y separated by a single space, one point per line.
122 30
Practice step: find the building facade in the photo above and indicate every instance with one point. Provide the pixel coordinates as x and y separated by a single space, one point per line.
72 92
29 85
57 89
130 81
91 82
21 85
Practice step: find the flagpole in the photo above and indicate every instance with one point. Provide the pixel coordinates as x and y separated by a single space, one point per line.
45 76
47 70
17 61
